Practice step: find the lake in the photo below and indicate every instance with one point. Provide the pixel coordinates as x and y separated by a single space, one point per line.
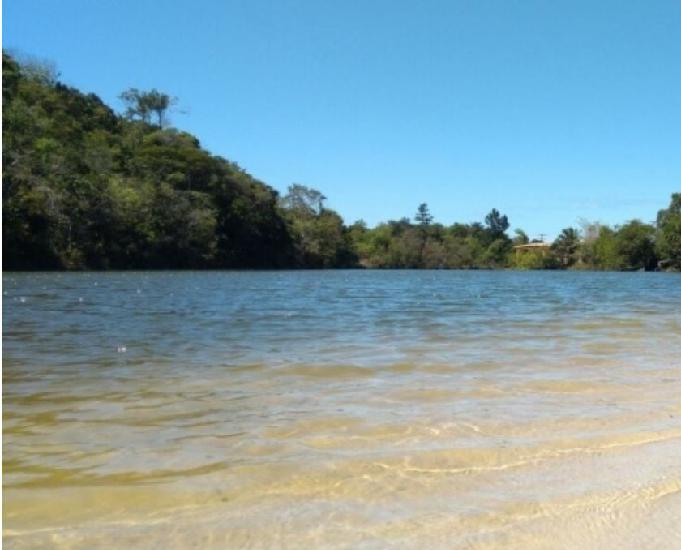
351 409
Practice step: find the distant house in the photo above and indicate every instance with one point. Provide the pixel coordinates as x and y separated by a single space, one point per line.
542 248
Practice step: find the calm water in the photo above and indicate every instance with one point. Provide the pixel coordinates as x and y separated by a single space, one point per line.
342 409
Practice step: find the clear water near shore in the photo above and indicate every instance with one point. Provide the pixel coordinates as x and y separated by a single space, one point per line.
343 409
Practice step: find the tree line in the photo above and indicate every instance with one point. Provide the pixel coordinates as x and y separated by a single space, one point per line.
486 245
87 188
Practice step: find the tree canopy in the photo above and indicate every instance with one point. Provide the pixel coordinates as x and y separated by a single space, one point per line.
86 187
142 105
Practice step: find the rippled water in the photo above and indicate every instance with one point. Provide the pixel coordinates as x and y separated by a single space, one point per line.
356 409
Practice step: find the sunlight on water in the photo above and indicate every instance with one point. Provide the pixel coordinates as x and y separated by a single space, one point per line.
342 409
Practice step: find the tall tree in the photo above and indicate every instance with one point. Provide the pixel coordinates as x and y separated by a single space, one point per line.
159 104
303 199
135 106
141 105
423 216
496 223
566 245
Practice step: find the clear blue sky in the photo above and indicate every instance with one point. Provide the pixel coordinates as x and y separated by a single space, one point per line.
548 110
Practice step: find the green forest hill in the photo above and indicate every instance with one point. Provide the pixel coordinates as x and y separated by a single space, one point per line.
86 188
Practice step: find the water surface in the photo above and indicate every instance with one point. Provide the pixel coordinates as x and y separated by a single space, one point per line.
357 409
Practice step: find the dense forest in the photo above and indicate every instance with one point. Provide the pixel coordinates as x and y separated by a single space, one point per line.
85 187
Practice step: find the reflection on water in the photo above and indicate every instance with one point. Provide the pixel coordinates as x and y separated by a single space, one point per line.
342 409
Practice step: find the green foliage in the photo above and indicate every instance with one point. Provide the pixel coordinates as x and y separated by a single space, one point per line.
401 244
496 254
535 260
303 201
142 105
321 238
520 237
630 247
496 224
605 250
84 187
566 246
668 244
636 245
423 215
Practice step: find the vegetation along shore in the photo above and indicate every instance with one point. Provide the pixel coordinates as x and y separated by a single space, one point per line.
87 188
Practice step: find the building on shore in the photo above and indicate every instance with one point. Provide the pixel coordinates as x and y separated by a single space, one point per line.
541 248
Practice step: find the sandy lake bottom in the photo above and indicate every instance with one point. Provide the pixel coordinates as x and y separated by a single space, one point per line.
343 409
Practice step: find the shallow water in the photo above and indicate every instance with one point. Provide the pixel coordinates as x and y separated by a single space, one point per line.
358 409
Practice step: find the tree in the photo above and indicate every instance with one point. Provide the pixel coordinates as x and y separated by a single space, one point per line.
496 223
668 242
423 216
605 252
566 245
321 238
399 227
636 246
35 68
304 200
520 237
159 103
135 105
424 219
85 188
673 210
142 105
496 254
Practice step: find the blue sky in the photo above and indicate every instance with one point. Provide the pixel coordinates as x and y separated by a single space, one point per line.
548 110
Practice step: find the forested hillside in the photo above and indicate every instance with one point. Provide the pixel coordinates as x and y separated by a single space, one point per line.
87 188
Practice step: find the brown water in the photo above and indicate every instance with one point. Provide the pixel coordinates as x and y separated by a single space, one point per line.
342 410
